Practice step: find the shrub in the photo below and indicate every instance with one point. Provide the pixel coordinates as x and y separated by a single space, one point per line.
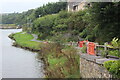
108 64
113 67
104 53
62 61
114 53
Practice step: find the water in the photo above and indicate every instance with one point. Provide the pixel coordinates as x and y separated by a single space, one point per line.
17 62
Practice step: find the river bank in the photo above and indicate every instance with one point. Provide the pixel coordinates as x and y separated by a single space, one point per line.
9 26
60 61
24 42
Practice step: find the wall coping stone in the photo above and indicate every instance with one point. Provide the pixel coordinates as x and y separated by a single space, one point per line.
96 59
101 61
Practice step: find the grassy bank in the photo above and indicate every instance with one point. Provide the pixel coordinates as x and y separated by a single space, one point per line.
24 40
60 61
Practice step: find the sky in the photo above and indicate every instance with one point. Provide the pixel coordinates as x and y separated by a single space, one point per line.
10 6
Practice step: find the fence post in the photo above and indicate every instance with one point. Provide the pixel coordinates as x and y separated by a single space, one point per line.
91 48
105 49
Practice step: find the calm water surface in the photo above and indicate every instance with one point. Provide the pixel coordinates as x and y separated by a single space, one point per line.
17 62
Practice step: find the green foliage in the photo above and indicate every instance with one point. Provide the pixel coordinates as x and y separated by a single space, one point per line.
44 25
115 43
113 67
61 61
8 18
56 62
108 64
24 40
63 25
50 8
102 18
114 53
29 16
26 29
112 50
84 49
104 53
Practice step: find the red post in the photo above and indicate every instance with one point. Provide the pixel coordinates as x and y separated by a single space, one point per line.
80 43
91 48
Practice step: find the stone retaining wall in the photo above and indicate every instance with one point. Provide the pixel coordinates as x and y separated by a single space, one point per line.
92 66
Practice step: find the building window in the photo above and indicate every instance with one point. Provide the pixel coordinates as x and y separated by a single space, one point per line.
75 7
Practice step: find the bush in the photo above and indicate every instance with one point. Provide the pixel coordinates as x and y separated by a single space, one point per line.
114 53
113 67
104 53
61 61
64 24
108 64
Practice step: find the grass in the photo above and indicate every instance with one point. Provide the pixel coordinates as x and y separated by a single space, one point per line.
56 62
24 40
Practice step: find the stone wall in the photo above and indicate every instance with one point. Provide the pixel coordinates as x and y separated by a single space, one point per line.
92 67
79 3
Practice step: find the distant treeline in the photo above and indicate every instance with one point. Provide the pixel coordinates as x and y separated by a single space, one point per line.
30 15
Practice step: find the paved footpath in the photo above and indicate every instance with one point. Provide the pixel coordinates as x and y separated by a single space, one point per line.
35 38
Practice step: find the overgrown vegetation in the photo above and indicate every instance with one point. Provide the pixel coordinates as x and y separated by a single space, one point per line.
113 67
61 61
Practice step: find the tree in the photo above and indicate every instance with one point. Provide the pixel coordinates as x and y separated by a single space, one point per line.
103 18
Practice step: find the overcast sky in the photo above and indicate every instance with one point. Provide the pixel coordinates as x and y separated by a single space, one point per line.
10 6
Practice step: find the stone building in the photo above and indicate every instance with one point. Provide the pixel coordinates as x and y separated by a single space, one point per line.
76 5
